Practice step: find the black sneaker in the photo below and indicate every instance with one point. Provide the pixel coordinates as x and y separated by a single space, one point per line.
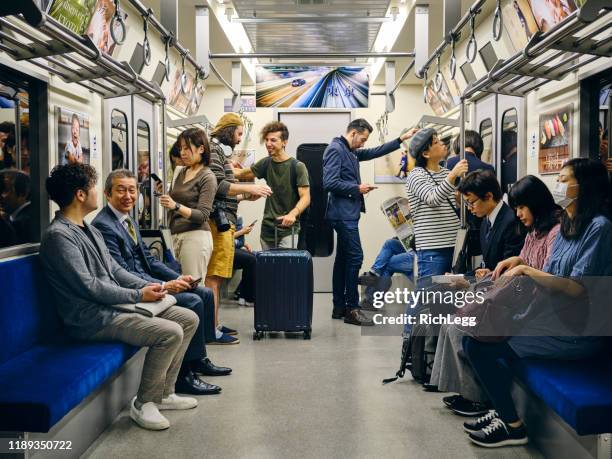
368 279
480 423
465 407
499 434
448 401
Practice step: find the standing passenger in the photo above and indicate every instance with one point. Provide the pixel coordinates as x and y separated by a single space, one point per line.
342 181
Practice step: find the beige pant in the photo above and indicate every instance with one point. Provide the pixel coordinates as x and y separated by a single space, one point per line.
283 243
193 250
167 337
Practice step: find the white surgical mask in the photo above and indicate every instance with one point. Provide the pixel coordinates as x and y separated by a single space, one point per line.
560 195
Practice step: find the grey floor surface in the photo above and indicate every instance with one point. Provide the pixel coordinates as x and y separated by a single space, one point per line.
293 398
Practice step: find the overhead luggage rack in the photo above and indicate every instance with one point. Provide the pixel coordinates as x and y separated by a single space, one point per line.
75 59
580 39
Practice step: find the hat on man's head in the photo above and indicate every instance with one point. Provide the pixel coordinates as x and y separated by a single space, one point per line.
420 140
227 120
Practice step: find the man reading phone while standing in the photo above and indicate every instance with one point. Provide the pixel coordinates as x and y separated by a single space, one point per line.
288 179
125 245
345 202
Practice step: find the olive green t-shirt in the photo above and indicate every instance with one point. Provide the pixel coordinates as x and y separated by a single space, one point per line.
284 197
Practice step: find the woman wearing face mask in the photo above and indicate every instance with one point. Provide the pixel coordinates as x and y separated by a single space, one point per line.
535 207
190 204
581 252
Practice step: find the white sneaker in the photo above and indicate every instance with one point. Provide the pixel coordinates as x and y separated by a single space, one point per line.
241 301
148 416
248 304
174 402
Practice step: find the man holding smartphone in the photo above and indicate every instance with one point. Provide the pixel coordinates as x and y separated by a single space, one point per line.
345 202
125 245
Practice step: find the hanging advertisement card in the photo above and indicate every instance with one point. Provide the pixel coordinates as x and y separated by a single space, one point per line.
555 136
72 133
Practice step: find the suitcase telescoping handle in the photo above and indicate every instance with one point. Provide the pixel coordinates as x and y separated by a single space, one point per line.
276 235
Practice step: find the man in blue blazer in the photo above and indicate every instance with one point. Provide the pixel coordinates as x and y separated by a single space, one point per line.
124 242
345 202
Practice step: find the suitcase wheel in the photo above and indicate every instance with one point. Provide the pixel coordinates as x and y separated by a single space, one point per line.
306 334
257 335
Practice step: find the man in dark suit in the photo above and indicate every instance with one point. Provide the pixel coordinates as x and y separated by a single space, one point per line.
501 235
125 245
345 202
15 200
474 147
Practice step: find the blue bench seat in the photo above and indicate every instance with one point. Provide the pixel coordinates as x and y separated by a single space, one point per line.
580 392
43 373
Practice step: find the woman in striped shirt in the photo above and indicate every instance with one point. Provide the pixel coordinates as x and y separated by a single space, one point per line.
430 190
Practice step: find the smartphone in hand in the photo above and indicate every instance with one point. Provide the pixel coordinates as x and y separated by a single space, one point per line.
195 282
253 224
155 177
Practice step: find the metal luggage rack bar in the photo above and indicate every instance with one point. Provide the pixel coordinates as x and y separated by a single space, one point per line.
442 125
578 40
75 59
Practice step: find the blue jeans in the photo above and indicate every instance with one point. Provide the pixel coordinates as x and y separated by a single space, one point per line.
349 257
392 259
432 262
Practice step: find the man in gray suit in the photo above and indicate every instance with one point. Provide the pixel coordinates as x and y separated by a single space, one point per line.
86 282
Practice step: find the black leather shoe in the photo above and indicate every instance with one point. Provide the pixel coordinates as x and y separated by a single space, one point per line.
337 315
207 368
356 317
189 383
430 387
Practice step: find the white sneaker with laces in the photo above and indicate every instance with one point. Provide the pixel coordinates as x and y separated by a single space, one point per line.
148 416
241 301
248 304
174 402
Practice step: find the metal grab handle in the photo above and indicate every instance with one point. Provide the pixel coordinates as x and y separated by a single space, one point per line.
118 20
497 22
146 46
452 66
425 88
183 77
167 61
472 47
438 78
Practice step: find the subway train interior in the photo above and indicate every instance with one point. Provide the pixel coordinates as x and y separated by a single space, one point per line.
305 228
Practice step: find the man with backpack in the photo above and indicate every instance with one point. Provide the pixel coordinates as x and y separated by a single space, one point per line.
288 179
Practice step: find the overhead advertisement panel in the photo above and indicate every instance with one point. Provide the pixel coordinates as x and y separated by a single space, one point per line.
310 86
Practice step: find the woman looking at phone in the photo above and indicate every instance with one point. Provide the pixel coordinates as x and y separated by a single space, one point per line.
190 203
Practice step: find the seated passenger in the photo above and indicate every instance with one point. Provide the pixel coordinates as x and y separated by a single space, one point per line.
15 200
122 237
86 282
288 179
244 259
501 236
535 207
582 249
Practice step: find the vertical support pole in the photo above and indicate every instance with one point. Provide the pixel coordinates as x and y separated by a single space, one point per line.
450 17
168 15
17 132
421 36
389 86
165 158
462 154
236 84
202 37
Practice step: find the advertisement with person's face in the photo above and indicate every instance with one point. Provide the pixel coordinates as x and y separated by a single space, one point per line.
72 136
519 22
99 29
549 13
176 97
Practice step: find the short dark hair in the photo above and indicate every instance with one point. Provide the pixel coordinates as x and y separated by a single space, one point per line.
533 193
480 182
226 135
472 140
66 180
7 127
360 125
20 181
117 173
196 137
175 150
275 126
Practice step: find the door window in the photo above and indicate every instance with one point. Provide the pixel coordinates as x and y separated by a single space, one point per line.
143 165
486 132
509 144
119 140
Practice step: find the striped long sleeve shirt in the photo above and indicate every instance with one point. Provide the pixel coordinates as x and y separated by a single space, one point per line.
435 221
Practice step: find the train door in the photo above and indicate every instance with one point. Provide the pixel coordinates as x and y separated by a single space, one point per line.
511 140
131 136
485 122
331 124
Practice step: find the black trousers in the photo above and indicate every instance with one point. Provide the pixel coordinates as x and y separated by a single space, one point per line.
245 260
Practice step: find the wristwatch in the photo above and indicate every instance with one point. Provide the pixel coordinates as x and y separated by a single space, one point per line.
177 206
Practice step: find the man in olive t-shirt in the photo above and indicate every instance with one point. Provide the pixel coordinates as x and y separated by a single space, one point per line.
288 179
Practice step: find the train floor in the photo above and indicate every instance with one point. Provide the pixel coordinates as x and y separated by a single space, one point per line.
288 397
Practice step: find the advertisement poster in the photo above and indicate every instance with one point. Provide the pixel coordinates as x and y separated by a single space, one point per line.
304 86
247 104
176 97
87 17
519 22
72 130
549 13
555 137
393 168
243 158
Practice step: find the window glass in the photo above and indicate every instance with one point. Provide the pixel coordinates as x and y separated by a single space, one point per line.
486 132
119 140
603 128
143 165
16 213
509 149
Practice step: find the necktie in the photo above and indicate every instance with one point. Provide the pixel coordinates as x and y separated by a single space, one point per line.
131 230
487 223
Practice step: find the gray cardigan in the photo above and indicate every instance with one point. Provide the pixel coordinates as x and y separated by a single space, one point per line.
85 280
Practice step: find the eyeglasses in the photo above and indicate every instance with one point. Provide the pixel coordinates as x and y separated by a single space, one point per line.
472 203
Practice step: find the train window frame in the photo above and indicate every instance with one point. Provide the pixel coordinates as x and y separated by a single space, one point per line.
142 201
590 89
491 159
501 149
38 142
126 152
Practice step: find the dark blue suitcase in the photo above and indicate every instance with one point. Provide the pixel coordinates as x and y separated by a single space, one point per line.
283 293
